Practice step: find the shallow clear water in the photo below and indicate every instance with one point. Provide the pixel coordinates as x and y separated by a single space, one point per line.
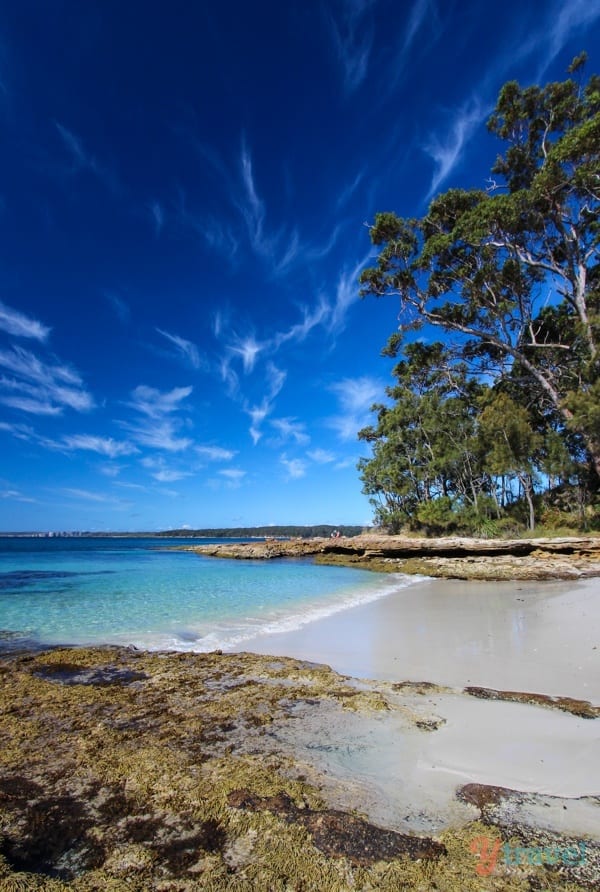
136 591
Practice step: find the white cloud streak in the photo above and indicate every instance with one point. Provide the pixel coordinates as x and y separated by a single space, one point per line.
353 41
156 403
281 247
235 475
83 160
15 495
290 429
355 396
41 388
248 349
15 323
158 216
215 453
86 494
447 152
321 456
119 306
566 18
185 349
562 21
421 9
295 467
275 379
102 445
161 472
158 428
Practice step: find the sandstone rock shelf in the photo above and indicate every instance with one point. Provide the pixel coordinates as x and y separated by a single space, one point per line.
568 557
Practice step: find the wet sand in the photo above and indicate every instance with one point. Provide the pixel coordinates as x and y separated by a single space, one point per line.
542 637
537 637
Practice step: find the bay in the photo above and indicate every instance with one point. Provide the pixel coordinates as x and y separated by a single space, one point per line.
141 592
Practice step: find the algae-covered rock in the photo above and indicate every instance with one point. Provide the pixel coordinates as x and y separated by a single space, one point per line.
140 771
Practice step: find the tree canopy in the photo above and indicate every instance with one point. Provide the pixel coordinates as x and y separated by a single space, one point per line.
510 274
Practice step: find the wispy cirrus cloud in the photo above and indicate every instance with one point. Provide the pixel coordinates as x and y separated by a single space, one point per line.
321 456
275 379
120 307
352 37
349 190
86 494
21 326
157 215
15 495
355 397
215 453
248 349
83 160
185 349
291 430
564 20
158 426
346 294
155 403
558 24
220 236
279 247
299 331
447 151
101 445
257 414
420 12
295 467
31 405
230 478
160 471
20 431
111 469
234 475
41 388
218 233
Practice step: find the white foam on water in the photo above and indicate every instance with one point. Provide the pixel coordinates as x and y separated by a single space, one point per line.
229 635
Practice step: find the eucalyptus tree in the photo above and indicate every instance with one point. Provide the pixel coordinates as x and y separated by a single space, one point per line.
511 272
425 468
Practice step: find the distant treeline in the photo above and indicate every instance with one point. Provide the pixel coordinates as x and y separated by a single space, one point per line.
324 530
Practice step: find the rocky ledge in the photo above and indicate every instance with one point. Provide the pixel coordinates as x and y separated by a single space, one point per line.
568 557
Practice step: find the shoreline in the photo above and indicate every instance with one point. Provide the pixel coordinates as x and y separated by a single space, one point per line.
516 635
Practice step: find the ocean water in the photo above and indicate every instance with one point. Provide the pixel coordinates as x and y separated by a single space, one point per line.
139 592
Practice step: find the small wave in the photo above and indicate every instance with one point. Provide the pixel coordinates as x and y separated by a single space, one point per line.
231 636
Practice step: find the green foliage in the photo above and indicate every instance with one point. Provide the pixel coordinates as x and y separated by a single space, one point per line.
309 532
511 275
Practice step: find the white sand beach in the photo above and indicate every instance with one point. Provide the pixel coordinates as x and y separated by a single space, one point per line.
523 636
542 637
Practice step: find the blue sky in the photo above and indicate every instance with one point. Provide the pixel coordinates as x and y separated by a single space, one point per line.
184 202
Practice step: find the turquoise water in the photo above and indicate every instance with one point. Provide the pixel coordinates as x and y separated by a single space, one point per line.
137 591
